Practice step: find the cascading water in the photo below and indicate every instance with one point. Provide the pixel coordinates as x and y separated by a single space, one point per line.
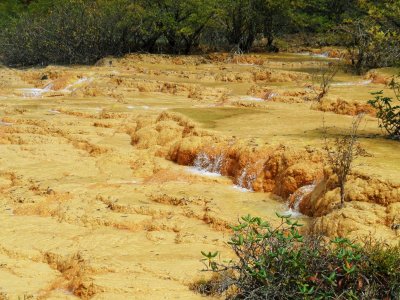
208 165
74 86
272 95
298 197
38 93
35 92
245 181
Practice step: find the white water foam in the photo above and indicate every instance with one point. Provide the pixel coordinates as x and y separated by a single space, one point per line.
272 95
74 86
65 291
316 55
5 123
146 107
293 213
302 192
321 55
360 83
207 165
35 92
251 98
196 171
245 180
53 111
242 189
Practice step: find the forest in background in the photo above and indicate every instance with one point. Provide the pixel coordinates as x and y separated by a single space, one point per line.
34 32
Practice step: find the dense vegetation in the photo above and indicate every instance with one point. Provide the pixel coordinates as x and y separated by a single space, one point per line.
82 31
280 263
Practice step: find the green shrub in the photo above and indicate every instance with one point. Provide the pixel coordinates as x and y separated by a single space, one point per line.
280 263
388 110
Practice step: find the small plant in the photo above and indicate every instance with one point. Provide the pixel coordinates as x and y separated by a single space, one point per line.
280 263
342 153
324 78
388 110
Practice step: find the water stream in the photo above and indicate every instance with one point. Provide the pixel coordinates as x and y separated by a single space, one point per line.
207 165
293 209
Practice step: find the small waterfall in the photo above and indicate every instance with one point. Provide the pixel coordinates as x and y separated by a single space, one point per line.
208 165
272 95
48 87
245 181
35 92
298 197
74 86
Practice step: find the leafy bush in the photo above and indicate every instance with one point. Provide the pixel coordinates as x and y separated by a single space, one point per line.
280 263
388 112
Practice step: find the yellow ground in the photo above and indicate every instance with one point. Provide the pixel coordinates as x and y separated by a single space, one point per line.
86 213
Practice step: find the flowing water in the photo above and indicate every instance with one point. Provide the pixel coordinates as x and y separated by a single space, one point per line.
35 92
293 209
245 180
208 165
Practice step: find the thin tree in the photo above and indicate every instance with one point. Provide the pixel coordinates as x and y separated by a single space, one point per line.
342 153
324 77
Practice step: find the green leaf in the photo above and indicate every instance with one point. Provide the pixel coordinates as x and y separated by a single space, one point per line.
209 255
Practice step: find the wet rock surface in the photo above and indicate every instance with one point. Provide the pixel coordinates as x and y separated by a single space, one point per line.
114 177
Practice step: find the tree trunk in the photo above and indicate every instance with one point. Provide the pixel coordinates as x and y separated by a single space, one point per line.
270 43
188 45
342 195
360 62
270 40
